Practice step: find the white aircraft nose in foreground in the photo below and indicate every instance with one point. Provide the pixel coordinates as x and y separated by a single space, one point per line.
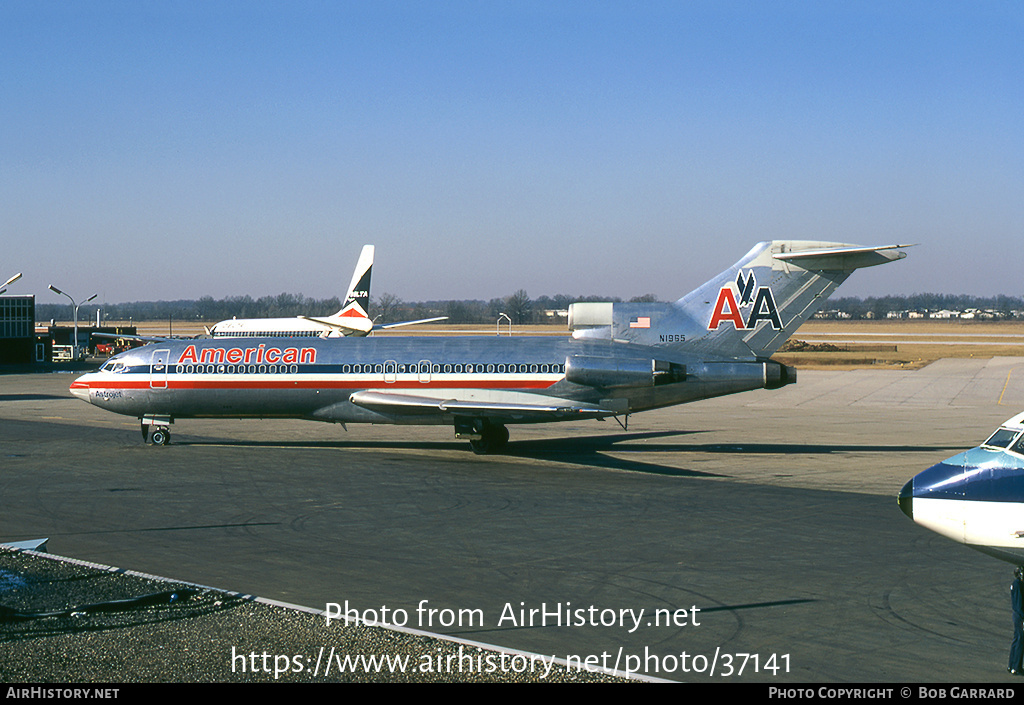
976 497
621 358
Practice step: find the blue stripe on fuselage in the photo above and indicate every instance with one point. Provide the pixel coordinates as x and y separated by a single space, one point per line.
980 474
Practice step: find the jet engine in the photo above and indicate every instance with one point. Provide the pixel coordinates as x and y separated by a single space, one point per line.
605 372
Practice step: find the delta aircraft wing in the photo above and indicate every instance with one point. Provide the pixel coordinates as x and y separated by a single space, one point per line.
621 358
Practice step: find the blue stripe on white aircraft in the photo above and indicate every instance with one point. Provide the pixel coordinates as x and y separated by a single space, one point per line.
620 359
975 497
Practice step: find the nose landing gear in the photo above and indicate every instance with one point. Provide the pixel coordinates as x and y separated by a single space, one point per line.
156 429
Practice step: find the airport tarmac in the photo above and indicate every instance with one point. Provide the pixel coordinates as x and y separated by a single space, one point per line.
773 513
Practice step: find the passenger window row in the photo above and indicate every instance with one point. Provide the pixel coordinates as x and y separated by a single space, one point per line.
269 334
222 369
424 367
366 368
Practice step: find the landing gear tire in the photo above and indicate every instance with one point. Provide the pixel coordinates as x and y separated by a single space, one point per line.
161 437
492 439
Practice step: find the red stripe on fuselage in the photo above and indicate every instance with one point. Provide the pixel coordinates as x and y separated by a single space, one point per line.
172 383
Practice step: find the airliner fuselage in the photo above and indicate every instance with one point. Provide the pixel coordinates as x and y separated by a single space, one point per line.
621 358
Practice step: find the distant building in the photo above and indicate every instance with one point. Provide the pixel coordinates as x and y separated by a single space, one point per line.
17 330
833 314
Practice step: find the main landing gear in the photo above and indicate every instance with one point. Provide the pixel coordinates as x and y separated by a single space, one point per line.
156 429
484 437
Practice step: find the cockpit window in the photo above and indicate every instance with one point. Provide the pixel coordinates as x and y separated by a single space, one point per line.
1001 438
1018 447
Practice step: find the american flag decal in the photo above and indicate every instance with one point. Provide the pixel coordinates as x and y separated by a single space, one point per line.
640 322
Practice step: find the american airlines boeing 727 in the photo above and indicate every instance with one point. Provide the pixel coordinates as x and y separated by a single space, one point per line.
621 358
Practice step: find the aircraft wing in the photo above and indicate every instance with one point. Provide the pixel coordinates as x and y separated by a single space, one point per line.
385 326
347 325
393 403
358 325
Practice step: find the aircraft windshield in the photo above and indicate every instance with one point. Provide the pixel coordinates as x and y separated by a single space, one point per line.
1001 438
1018 447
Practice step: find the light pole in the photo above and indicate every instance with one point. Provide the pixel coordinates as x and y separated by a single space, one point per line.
3 287
58 291
498 324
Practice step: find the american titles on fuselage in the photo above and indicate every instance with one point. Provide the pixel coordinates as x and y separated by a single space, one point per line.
259 354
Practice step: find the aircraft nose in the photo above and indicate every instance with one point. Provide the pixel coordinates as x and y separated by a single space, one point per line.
80 389
906 499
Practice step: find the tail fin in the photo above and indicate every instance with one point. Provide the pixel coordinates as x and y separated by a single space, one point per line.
757 304
747 311
353 318
357 300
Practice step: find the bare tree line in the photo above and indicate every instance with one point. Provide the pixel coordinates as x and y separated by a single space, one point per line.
385 308
518 306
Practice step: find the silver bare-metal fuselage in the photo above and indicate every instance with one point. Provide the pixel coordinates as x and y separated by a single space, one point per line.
503 379
621 358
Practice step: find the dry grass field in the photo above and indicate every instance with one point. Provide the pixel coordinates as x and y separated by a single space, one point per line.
901 344
907 344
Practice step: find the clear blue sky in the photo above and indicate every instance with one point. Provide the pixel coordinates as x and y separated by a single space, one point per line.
164 150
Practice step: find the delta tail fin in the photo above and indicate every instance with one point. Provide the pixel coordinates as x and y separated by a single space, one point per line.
748 311
354 318
357 299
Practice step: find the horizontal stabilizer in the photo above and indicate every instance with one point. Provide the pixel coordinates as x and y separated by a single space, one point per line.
846 258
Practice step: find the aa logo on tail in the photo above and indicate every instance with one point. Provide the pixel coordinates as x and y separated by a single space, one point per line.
761 304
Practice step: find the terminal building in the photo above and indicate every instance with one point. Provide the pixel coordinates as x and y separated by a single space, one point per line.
18 345
22 343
